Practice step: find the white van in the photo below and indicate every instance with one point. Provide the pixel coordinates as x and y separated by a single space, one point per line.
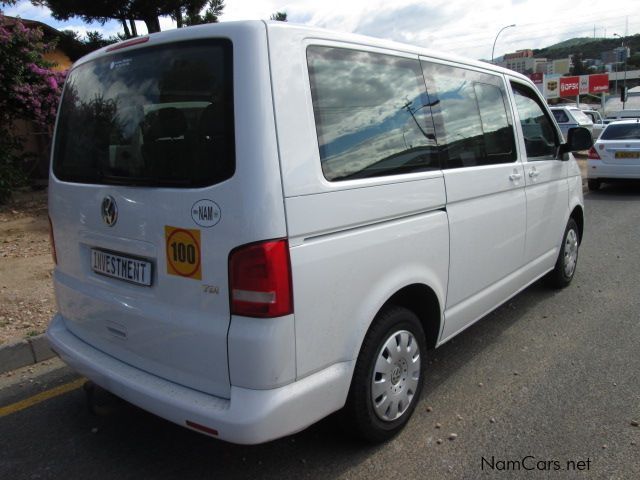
258 224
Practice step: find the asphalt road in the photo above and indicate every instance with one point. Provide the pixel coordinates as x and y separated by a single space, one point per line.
548 379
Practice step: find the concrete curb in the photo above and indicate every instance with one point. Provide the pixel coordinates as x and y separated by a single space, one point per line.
24 353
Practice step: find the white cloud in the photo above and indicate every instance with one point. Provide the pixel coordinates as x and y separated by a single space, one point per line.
27 11
464 27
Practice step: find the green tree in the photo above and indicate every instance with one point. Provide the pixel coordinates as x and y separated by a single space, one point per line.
634 60
196 12
185 12
579 67
75 46
279 16
101 11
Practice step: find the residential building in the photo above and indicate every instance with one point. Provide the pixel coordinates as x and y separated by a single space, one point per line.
560 66
523 61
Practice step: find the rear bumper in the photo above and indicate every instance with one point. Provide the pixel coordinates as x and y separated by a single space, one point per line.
597 169
248 417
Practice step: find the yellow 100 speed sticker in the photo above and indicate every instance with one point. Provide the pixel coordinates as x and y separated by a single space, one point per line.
183 252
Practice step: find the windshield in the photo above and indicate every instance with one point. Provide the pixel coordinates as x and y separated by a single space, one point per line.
627 131
159 116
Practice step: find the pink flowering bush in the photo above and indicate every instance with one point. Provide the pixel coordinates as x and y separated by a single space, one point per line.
29 90
39 99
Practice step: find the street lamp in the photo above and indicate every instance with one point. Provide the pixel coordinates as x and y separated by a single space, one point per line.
494 42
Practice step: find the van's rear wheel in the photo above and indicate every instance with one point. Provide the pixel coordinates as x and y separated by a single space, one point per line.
567 261
388 377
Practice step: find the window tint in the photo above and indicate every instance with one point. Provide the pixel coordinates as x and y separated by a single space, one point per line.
560 115
473 122
627 131
539 133
372 114
159 116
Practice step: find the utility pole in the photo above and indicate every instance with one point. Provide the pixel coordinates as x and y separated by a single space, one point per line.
624 82
624 55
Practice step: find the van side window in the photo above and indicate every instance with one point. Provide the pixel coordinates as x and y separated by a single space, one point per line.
473 123
372 114
540 137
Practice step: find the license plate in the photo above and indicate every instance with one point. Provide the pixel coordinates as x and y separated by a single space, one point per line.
627 154
125 268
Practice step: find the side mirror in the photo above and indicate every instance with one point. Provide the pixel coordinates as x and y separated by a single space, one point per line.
578 138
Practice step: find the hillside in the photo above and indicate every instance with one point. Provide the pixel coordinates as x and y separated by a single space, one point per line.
588 47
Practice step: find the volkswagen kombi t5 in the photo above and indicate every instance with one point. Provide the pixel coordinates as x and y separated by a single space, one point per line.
258 224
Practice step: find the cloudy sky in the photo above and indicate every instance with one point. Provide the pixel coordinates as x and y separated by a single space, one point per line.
463 27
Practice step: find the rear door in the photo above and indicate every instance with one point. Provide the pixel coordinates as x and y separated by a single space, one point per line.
147 200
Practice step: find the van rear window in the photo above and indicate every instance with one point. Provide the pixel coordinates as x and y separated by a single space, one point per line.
158 116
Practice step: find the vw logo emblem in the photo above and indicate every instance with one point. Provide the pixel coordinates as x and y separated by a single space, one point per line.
109 211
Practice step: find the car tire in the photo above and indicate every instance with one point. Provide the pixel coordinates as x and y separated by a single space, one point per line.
567 261
388 376
593 184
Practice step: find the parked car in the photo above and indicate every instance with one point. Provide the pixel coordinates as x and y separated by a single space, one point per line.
571 117
257 224
615 155
598 123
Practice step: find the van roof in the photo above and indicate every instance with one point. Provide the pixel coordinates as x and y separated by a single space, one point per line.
227 28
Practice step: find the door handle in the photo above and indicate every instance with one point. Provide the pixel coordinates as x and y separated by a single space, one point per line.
515 176
533 173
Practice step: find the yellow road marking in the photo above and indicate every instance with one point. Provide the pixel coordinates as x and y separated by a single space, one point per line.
41 397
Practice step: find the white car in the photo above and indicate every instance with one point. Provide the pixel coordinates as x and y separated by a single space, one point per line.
615 155
258 224
571 117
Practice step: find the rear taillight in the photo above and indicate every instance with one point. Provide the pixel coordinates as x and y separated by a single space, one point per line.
260 280
52 243
593 155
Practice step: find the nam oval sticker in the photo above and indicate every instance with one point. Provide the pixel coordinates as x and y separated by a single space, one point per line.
206 213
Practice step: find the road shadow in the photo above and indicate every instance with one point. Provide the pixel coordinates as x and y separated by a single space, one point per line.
627 190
